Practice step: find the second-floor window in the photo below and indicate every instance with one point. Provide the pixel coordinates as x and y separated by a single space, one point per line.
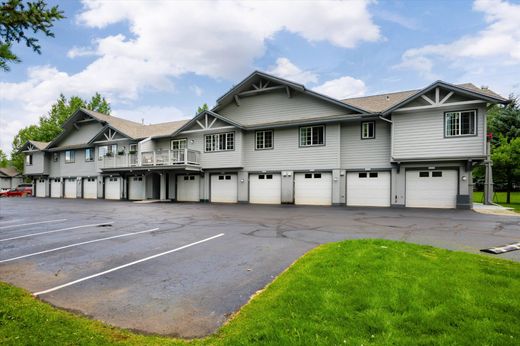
368 130
178 144
28 159
55 157
220 142
462 123
312 136
107 150
69 156
264 140
89 154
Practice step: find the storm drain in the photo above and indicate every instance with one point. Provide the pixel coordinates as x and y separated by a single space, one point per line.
502 249
105 225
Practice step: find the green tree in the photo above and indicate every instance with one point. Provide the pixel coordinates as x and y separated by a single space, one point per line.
202 108
506 162
49 126
17 20
4 162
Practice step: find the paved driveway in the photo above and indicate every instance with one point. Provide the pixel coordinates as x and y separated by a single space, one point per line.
182 269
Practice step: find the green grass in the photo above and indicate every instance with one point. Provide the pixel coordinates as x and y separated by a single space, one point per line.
501 198
348 293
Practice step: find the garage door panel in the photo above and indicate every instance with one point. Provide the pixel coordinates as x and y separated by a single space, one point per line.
55 188
41 185
431 189
370 189
188 188
224 188
113 188
265 188
136 188
313 188
70 188
90 188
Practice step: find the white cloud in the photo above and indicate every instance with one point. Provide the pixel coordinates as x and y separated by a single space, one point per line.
498 44
342 88
197 90
284 68
219 39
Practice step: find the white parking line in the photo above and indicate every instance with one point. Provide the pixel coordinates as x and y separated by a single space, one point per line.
125 265
32 223
78 244
56 230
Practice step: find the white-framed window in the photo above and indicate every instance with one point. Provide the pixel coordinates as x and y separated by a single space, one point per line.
177 144
89 154
220 142
69 156
55 157
460 123
312 136
133 149
28 159
264 139
368 130
107 150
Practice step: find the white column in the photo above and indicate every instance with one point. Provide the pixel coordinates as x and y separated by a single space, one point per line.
163 187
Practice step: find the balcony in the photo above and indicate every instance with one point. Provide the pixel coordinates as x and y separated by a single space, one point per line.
157 158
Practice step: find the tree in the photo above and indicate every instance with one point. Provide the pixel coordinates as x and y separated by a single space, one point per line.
506 162
3 159
17 19
202 108
49 126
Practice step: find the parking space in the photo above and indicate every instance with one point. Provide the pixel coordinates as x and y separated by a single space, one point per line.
182 269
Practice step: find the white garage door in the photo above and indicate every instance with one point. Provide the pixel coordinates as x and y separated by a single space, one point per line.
188 188
136 188
265 188
224 188
90 188
113 188
70 188
370 189
55 188
41 187
313 188
431 189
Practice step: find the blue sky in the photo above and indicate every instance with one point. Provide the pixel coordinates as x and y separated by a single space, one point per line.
160 60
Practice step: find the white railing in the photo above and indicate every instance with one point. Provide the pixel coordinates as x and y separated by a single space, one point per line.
153 158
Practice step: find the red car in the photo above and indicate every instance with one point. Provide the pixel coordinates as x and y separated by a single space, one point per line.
20 191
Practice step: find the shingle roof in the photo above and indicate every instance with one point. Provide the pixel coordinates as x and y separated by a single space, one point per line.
39 145
9 171
382 102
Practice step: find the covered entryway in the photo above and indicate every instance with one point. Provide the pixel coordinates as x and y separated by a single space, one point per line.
90 188
70 188
112 188
265 188
313 188
56 188
188 188
370 189
431 188
136 188
224 188
41 187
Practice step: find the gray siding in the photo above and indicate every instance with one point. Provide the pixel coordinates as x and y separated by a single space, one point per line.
39 164
78 168
420 134
276 107
365 153
82 135
288 155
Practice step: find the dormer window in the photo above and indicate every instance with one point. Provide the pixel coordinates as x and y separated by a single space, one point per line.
28 159
460 123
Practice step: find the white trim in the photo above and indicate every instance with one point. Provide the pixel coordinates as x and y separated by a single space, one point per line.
446 97
440 105
200 124
125 265
437 95
210 129
55 231
427 99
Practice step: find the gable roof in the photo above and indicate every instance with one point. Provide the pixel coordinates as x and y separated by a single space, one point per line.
188 123
9 171
386 103
246 83
37 144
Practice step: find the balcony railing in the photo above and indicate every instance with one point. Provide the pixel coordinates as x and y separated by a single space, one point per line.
153 158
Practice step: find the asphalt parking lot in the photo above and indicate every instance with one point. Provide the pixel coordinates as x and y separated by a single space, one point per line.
182 269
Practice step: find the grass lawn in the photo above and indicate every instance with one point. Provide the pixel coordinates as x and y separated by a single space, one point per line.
348 293
500 198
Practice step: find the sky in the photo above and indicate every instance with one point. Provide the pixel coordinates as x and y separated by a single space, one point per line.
160 60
